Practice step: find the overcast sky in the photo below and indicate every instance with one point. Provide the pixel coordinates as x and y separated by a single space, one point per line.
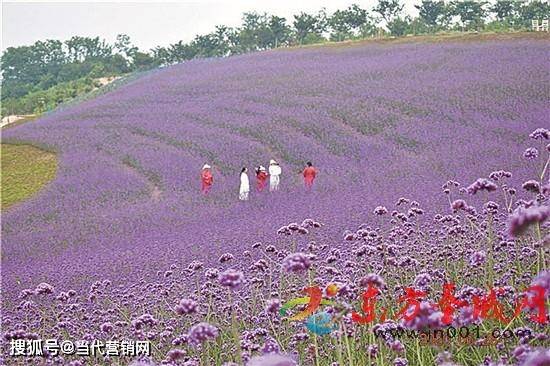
148 23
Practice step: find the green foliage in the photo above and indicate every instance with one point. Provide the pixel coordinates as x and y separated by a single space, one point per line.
39 101
388 9
346 24
431 13
399 26
309 27
470 12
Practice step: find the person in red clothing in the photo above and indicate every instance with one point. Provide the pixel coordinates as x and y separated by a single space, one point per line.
206 179
309 175
261 178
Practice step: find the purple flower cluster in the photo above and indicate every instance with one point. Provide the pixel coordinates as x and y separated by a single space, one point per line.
296 262
202 332
231 278
522 218
481 184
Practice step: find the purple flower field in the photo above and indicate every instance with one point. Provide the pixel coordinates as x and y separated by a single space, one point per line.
414 144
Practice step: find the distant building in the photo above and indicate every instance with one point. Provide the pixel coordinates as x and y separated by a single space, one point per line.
541 26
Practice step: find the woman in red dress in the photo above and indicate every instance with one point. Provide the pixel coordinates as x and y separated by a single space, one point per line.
261 178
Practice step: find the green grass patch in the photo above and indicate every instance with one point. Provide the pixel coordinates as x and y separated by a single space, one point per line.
25 170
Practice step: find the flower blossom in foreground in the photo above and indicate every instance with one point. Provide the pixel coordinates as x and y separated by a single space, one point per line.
477 258
531 153
186 306
540 134
531 186
231 278
538 357
202 332
44 289
271 359
523 218
296 262
481 184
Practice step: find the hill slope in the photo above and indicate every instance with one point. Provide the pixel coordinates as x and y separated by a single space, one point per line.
379 121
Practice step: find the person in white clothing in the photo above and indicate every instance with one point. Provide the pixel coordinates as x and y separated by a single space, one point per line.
274 175
245 185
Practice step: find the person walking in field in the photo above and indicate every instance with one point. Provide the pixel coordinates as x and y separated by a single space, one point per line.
261 178
274 175
309 174
245 185
206 179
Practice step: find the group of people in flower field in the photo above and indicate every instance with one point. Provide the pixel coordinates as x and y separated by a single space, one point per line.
273 173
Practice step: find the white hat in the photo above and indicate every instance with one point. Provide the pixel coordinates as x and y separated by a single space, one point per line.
262 168
271 162
206 166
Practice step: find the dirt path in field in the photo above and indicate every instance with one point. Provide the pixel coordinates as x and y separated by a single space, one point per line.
154 190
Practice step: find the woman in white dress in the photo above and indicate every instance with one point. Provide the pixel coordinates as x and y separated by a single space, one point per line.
245 185
274 175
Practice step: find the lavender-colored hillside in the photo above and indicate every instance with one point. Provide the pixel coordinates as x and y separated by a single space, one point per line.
379 121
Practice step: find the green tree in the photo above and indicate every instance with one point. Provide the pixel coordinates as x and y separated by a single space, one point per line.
347 23
399 26
340 28
142 60
307 26
125 46
388 9
180 52
470 12
503 9
161 55
279 31
432 13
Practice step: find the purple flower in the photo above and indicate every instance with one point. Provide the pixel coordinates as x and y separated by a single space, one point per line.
175 354
498 174
531 153
202 332
142 363
106 327
296 262
270 346
273 306
44 289
538 357
459 205
477 258
531 186
422 280
186 306
380 210
427 317
540 134
400 362
226 257
231 278
271 359
522 218
481 184
372 279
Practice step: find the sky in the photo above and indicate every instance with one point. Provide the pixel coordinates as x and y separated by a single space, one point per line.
148 23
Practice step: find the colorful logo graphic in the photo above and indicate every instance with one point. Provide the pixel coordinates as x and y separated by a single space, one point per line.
319 323
483 307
